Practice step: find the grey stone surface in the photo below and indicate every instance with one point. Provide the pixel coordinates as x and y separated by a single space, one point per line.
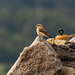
37 59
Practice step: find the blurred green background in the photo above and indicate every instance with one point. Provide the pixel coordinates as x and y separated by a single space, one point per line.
17 24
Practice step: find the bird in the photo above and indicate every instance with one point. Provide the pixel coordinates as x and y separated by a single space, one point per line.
41 31
61 36
61 31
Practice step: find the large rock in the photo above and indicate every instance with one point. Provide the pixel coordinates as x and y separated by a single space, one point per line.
66 71
66 53
72 40
37 59
71 36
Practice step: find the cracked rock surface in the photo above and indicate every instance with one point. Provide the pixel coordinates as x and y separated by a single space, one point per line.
37 59
42 58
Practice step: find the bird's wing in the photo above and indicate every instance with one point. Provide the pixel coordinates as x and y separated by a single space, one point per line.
44 31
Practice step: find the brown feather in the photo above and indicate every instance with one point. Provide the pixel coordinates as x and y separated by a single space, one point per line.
41 29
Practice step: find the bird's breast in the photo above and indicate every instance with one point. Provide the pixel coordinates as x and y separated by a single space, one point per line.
37 30
40 33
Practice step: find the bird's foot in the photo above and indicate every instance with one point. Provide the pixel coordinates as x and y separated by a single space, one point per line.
42 38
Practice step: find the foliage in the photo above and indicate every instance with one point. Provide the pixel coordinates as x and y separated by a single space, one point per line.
4 68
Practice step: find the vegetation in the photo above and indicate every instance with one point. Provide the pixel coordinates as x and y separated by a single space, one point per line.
19 17
4 67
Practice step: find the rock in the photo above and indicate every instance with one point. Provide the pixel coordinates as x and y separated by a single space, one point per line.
70 45
57 42
65 71
68 70
71 36
72 40
66 53
37 59
43 58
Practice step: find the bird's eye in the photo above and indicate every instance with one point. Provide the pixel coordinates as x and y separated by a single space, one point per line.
38 25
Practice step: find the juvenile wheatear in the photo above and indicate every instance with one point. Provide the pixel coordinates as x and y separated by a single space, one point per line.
41 31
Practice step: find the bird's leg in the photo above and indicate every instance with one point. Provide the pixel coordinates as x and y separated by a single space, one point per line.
41 38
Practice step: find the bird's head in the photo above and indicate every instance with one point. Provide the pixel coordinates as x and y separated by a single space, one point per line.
38 25
61 31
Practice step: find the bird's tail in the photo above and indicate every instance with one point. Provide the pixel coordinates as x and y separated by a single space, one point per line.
50 36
